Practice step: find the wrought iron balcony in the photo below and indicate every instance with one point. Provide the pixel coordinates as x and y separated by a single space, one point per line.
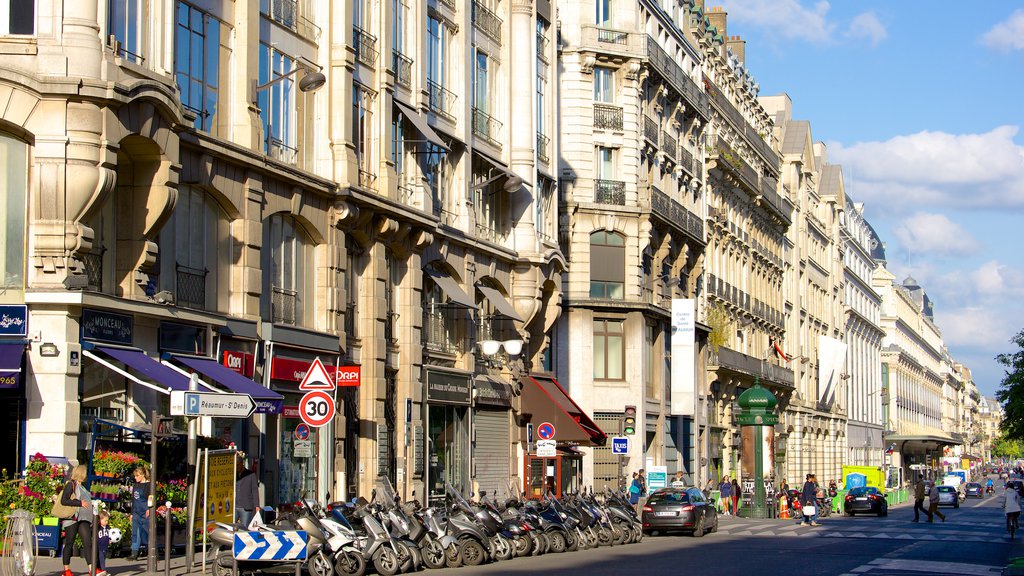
402 66
610 192
190 287
686 160
283 304
668 146
651 130
291 15
487 21
542 148
607 117
367 180
486 126
670 70
442 100
603 40
93 265
676 215
542 48
439 333
365 45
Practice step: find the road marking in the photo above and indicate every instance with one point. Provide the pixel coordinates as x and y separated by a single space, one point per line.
934 567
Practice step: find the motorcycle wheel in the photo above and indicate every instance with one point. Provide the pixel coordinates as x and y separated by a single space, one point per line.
620 533
503 549
540 543
407 558
433 555
472 552
219 560
558 543
350 563
572 542
592 541
320 565
453 557
605 536
523 545
638 534
385 561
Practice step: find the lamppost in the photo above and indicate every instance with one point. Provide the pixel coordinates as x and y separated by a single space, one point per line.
757 417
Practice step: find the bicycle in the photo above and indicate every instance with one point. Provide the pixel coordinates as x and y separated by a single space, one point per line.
1012 522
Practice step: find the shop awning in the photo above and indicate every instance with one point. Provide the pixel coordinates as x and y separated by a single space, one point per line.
546 401
10 364
158 377
492 391
501 305
451 288
268 401
421 125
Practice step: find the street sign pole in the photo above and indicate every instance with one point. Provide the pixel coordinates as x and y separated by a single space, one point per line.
190 552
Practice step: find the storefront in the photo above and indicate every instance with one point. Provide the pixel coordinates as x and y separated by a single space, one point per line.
492 443
13 331
549 413
449 394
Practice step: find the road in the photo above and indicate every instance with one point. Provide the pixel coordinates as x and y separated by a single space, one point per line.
972 542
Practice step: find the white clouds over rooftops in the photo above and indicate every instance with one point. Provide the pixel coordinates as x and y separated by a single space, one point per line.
867 25
792 19
1007 35
934 233
941 169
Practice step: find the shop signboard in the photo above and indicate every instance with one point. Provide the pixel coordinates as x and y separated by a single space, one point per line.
657 478
14 320
239 362
449 388
106 327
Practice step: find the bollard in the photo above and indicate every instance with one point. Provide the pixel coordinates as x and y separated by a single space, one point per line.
167 540
93 541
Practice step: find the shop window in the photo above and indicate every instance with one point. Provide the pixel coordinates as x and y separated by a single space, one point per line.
288 255
447 449
607 265
13 193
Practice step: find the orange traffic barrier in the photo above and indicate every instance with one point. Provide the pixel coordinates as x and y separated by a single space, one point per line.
784 508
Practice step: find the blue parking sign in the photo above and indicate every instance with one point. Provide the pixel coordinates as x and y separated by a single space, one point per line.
620 445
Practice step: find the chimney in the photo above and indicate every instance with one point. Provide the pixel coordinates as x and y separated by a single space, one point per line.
717 15
698 4
737 46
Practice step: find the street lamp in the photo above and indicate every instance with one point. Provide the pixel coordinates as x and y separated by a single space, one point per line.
310 82
491 349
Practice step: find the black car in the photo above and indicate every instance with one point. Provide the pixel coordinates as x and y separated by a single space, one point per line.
974 490
679 509
865 499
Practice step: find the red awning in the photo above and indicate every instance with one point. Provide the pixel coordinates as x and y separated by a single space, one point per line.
546 401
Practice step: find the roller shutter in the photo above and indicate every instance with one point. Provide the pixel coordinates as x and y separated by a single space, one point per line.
491 450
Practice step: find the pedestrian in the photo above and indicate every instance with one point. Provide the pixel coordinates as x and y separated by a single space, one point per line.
933 504
736 493
678 482
102 543
642 476
919 499
725 494
140 511
247 498
1011 506
809 501
634 491
79 525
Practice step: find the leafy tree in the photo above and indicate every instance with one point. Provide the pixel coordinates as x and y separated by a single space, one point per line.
1008 448
1011 390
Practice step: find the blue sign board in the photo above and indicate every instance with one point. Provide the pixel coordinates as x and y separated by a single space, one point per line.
620 445
14 320
106 327
270 545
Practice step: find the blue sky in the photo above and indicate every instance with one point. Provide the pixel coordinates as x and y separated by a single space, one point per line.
922 103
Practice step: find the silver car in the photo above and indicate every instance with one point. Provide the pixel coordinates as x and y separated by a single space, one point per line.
948 497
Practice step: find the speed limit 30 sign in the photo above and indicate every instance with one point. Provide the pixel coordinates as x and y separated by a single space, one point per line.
316 408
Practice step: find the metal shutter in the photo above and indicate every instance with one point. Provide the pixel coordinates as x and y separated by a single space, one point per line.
491 458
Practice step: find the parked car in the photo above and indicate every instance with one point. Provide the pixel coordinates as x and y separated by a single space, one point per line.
948 496
974 490
679 509
865 499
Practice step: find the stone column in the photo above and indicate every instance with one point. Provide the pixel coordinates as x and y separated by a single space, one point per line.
51 385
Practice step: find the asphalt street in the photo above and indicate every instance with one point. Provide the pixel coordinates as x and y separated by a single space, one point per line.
972 542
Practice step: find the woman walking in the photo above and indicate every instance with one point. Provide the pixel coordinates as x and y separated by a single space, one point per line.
75 494
736 493
725 494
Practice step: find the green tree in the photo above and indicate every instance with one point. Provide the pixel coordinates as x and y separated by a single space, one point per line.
1011 390
1008 448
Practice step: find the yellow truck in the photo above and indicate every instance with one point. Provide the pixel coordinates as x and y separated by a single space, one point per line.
872 476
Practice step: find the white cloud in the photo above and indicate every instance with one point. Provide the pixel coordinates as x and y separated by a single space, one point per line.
924 233
1007 35
867 25
941 169
787 18
998 281
974 327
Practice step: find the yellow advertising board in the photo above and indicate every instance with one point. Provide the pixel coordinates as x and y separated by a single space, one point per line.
218 497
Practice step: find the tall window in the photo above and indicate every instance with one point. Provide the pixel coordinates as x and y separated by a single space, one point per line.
289 254
605 163
124 24
277 104
398 144
604 85
607 265
17 17
195 249
362 134
603 14
609 349
401 9
197 63
437 181
13 194
353 254
481 82
437 51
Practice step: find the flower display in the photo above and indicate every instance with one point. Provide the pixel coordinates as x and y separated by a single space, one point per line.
114 464
174 491
32 492
179 514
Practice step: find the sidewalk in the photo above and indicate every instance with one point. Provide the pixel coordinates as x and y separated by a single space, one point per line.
118 566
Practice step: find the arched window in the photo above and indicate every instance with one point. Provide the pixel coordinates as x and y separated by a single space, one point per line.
13 191
607 265
195 252
288 257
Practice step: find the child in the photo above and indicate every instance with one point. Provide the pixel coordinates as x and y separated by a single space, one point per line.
102 542
140 511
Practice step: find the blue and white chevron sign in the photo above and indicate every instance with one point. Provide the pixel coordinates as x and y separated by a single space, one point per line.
270 545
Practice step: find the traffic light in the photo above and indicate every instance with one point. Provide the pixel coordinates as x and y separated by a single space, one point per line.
629 421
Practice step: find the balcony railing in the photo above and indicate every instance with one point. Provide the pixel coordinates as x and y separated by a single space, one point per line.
651 130
365 45
542 48
676 214
190 287
439 332
442 100
278 150
610 192
486 126
367 180
93 264
607 117
668 146
542 148
283 304
402 66
605 40
610 36
687 162
670 70
291 15
487 21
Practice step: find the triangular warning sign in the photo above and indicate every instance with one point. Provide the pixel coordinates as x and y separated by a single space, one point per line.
317 378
